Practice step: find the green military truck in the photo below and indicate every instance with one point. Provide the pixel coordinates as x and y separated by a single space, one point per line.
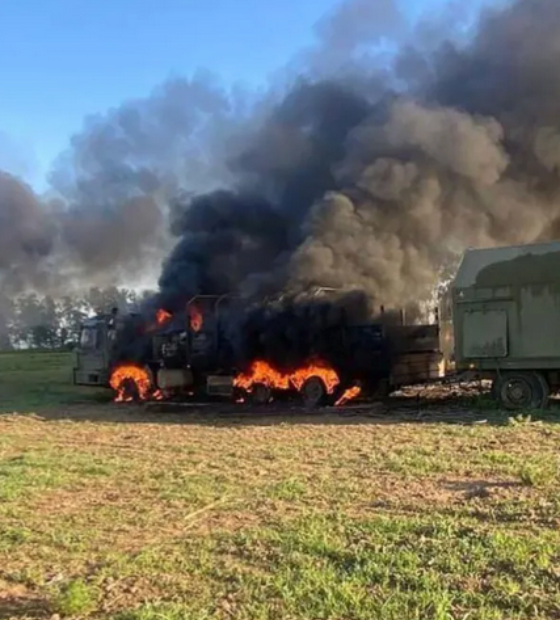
95 354
501 320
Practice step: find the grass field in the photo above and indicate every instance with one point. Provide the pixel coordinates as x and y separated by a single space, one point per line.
109 512
30 380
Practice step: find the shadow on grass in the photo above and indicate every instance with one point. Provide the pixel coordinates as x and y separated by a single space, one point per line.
24 607
479 488
393 410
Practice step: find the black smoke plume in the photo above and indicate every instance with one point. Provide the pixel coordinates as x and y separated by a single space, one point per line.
380 189
382 153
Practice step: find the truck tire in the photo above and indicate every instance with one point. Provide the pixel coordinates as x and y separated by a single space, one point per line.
260 394
314 392
545 389
131 390
521 390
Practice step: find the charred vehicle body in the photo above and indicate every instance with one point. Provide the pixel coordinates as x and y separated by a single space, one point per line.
98 347
192 353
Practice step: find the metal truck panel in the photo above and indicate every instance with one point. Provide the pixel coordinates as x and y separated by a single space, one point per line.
538 329
219 385
413 338
413 368
485 333
91 369
506 308
173 378
91 378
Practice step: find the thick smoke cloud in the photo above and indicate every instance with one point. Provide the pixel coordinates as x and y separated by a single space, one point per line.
388 229
380 190
393 149
104 220
26 235
225 237
52 246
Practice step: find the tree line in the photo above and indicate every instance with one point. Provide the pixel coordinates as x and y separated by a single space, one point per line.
44 322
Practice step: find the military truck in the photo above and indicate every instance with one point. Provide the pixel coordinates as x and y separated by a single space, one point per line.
191 354
501 320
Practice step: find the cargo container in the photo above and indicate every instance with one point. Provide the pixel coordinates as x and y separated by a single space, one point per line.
501 319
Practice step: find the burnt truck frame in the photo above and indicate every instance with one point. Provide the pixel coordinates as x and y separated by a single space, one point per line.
498 320
383 356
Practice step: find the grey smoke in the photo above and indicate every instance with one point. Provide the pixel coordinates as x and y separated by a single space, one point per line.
27 235
49 245
394 148
104 220
404 186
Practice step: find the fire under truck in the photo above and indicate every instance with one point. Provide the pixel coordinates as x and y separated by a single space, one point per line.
191 355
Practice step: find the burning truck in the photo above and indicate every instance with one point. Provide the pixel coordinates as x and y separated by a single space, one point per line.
497 321
194 353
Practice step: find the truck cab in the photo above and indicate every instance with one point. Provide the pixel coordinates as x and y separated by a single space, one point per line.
96 352
93 352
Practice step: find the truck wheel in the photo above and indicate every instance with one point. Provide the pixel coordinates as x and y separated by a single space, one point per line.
131 390
521 390
314 392
545 387
260 394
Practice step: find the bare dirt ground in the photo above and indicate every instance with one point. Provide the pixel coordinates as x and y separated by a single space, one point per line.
430 505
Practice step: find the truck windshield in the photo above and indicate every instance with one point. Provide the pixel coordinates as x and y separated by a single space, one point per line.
88 338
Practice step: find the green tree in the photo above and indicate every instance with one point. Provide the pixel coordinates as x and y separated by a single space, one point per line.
37 322
105 299
73 311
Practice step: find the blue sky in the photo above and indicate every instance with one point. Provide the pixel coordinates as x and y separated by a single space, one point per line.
64 59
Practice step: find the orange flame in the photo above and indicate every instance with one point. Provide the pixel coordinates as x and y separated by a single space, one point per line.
263 372
326 373
162 316
195 317
121 378
348 395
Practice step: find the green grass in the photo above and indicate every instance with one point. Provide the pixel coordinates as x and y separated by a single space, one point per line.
75 599
115 513
30 380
